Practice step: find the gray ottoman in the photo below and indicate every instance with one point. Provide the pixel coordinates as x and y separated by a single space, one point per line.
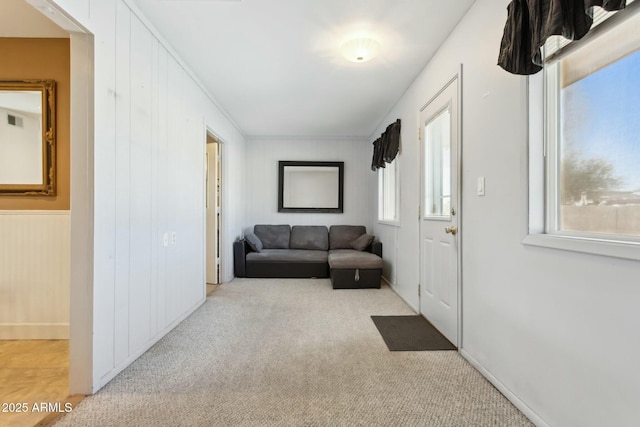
351 269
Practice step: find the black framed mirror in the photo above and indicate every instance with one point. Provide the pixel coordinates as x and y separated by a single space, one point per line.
306 186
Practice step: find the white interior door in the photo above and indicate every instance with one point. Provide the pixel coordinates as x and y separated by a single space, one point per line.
439 236
213 213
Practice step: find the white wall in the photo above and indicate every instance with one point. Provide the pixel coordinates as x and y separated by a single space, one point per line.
34 275
261 170
147 159
557 331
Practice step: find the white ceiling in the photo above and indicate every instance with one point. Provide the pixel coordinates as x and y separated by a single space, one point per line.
275 65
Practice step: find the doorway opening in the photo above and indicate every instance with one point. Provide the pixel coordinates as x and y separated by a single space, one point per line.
213 200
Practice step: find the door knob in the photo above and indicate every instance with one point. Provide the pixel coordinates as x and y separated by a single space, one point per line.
453 230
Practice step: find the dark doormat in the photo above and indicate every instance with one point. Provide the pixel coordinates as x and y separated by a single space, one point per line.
410 333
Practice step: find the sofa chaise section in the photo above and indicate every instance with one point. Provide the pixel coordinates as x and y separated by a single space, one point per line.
351 268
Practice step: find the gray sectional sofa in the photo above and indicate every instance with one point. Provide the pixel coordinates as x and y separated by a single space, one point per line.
345 253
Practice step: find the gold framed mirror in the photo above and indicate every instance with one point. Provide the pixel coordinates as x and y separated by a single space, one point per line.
28 137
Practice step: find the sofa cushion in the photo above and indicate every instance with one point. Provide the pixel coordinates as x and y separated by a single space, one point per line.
313 237
254 242
288 255
273 236
361 243
350 258
341 236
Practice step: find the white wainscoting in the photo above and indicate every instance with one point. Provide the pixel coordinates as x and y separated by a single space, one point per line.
34 274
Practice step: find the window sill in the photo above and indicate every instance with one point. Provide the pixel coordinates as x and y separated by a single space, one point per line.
390 223
625 250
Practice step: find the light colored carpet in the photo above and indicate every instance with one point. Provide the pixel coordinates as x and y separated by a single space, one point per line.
291 352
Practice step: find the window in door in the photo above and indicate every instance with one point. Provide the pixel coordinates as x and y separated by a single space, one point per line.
437 185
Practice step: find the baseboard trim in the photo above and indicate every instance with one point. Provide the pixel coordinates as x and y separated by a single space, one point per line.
103 380
393 288
386 281
34 331
526 410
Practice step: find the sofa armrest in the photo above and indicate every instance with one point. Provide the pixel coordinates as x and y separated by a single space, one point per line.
239 258
376 248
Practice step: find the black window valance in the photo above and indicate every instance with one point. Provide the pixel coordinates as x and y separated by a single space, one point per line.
386 147
531 22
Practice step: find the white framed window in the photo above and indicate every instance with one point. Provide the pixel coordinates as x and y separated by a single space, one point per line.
388 192
585 141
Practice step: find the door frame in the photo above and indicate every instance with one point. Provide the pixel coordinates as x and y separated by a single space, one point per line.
221 230
457 79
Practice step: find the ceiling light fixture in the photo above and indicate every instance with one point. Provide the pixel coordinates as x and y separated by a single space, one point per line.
360 49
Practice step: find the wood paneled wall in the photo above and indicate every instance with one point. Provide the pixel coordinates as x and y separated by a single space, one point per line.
149 214
149 233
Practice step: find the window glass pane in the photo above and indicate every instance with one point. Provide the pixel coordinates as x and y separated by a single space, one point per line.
599 143
381 194
438 165
387 192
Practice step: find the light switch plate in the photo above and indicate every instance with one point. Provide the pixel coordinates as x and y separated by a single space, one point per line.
481 186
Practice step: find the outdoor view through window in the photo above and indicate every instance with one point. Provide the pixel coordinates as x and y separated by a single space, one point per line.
599 180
